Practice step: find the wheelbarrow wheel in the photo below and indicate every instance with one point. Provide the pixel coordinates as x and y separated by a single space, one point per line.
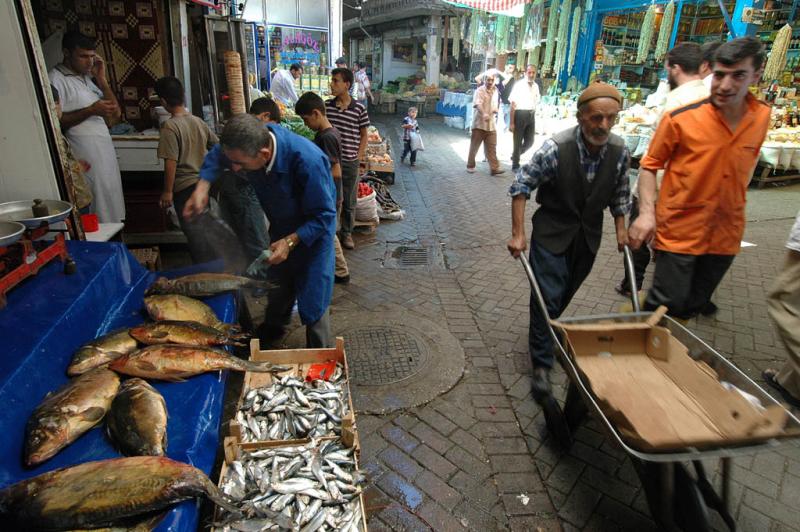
556 421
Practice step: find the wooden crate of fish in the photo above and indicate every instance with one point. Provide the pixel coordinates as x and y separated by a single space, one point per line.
315 485
310 400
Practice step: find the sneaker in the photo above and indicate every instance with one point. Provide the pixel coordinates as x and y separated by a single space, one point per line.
622 289
498 172
540 387
347 242
470 170
341 279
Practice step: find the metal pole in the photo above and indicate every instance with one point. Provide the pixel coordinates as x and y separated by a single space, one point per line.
630 271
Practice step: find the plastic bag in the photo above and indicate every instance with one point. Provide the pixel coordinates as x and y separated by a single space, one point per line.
416 142
367 208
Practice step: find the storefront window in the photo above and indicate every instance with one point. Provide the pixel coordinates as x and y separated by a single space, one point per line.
314 13
283 12
295 45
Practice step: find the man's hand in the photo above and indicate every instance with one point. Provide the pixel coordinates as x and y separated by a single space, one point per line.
166 200
511 127
104 108
280 252
517 245
198 201
642 230
99 68
622 239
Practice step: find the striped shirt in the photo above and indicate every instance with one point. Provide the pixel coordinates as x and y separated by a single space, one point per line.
348 123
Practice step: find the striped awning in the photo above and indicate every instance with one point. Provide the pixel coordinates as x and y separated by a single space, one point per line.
511 8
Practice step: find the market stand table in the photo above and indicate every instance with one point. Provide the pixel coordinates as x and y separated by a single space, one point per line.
51 315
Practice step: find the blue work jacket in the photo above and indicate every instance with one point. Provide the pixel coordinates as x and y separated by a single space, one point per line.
298 195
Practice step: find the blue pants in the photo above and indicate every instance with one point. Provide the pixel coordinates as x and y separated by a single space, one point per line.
406 150
559 277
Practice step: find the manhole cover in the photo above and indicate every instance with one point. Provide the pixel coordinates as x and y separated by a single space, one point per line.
382 355
414 257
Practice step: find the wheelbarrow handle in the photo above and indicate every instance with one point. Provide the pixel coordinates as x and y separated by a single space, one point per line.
526 265
630 273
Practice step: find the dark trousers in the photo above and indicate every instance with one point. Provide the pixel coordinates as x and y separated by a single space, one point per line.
559 277
349 196
200 249
281 296
524 130
641 256
685 283
243 212
406 150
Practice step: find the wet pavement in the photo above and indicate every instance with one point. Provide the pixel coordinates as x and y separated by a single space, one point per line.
476 454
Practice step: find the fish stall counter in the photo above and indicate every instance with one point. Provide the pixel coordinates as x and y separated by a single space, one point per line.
49 316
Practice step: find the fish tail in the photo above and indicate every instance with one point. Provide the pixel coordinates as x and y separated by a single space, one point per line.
263 367
220 499
230 328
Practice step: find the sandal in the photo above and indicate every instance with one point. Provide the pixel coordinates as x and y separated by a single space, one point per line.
769 377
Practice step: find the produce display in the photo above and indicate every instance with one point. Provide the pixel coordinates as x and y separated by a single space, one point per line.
373 137
291 408
552 30
777 55
308 487
364 190
116 492
646 38
573 39
664 32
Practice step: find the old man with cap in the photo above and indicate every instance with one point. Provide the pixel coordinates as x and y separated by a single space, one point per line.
577 173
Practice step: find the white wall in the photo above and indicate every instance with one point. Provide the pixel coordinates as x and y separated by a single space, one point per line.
26 169
335 23
395 69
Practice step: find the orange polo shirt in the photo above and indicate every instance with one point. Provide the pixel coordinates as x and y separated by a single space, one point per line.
700 207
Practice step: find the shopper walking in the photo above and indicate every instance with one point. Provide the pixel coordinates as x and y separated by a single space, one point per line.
351 121
708 150
362 84
784 309
484 127
578 173
524 100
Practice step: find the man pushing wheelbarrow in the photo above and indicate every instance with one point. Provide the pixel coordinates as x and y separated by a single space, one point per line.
577 173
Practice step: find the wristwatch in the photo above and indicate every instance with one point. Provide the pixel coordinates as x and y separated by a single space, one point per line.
291 243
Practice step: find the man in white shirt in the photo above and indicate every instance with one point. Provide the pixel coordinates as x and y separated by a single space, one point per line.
524 100
282 85
784 309
89 107
686 85
362 84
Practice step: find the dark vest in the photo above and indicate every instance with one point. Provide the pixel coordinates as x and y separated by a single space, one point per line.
570 206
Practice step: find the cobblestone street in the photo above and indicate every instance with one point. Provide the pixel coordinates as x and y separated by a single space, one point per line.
478 457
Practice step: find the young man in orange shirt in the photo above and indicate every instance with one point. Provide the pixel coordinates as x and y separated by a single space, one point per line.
708 150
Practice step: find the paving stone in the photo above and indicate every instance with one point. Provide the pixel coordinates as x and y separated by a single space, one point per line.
495 414
437 421
498 430
461 416
479 491
565 474
624 516
512 463
371 445
537 503
595 457
467 462
754 481
469 442
431 438
400 462
434 461
478 519
749 519
399 489
438 490
517 482
438 518
400 438
772 508
484 401
506 446
580 504
403 420
397 517
609 485
529 523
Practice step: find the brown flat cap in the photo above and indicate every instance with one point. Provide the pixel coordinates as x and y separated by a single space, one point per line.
599 90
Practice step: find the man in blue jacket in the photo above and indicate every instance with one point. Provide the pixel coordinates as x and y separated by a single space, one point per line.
292 180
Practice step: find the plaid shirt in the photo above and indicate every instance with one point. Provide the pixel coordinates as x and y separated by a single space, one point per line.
543 168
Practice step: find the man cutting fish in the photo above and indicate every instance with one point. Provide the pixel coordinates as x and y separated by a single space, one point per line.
292 180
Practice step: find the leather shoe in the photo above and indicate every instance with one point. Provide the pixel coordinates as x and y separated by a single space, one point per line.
341 279
541 383
709 309
498 172
347 242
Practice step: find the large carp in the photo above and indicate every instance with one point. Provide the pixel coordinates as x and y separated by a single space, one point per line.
181 308
202 284
137 421
101 351
184 333
96 494
176 362
66 414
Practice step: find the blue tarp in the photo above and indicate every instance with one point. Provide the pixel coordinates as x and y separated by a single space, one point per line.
49 316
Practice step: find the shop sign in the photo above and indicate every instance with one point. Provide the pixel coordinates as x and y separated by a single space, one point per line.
300 39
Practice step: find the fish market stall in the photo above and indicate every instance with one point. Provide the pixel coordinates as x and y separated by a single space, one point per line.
49 317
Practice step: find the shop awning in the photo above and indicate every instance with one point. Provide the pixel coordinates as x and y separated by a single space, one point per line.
511 8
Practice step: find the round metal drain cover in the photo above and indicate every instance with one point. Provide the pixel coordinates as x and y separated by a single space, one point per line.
383 355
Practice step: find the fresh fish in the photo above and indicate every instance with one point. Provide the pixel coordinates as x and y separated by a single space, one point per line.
177 362
184 333
96 494
101 351
202 284
137 422
66 414
182 308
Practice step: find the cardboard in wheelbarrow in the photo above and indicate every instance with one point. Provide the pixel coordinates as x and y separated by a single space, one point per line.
656 395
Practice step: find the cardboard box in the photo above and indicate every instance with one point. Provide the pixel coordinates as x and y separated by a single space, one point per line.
299 361
656 395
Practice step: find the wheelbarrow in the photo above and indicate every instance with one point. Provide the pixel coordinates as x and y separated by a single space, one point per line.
677 499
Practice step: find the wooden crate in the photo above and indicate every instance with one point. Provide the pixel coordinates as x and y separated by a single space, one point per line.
150 258
299 361
375 167
233 450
